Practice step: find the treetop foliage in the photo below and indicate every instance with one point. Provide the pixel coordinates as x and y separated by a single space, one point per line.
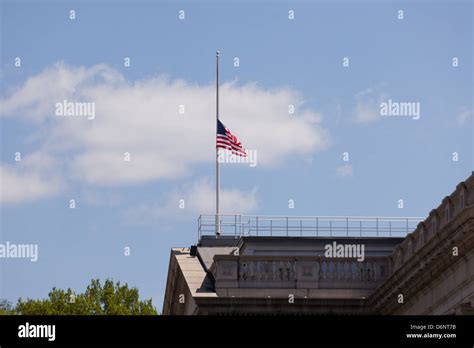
107 299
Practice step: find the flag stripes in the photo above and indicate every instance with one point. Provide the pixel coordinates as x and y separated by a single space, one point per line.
226 140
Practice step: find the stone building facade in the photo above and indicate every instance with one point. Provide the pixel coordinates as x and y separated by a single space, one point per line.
428 271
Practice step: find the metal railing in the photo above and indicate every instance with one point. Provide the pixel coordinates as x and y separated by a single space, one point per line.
264 225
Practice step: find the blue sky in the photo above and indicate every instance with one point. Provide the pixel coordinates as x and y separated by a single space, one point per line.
282 62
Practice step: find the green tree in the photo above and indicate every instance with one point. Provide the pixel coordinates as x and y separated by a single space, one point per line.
5 307
109 299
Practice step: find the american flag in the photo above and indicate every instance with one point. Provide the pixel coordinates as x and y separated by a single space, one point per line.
227 140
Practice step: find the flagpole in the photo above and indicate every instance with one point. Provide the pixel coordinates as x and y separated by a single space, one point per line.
218 227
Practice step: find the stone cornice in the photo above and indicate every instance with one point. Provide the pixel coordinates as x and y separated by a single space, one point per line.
426 263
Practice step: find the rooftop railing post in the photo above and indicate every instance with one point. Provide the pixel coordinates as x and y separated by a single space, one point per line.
347 226
301 227
199 227
240 224
271 228
360 228
235 225
407 226
390 233
287 226
377 228
330 228
317 226
257 226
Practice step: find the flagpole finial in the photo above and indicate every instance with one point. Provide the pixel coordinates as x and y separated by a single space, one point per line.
218 53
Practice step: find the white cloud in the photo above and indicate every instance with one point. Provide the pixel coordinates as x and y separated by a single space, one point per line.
28 182
36 98
198 197
36 176
367 107
142 118
463 116
344 170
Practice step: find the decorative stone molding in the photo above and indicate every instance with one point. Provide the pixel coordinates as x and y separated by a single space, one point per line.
415 276
281 272
440 217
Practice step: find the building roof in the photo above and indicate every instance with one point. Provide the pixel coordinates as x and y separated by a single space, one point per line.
197 279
